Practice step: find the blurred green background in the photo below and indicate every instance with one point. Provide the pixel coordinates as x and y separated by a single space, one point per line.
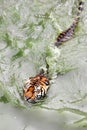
28 30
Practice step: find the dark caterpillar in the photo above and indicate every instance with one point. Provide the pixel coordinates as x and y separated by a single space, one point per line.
67 34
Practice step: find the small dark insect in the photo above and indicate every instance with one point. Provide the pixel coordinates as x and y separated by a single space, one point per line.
36 88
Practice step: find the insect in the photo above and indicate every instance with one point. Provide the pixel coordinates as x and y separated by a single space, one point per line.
36 87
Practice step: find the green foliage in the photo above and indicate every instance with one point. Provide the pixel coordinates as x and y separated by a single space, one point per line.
3 99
